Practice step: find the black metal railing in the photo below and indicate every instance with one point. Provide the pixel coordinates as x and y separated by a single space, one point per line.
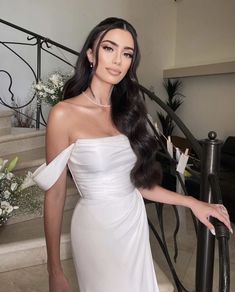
205 155
41 44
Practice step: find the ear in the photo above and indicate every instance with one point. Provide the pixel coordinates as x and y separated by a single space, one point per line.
90 55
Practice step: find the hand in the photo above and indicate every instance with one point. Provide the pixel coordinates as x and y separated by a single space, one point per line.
203 210
58 283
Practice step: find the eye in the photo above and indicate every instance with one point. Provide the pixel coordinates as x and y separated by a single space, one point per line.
107 48
128 55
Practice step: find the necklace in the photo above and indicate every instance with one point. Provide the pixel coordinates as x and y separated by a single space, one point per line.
94 100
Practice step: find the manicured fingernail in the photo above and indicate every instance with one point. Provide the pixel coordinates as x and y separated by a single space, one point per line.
212 231
231 230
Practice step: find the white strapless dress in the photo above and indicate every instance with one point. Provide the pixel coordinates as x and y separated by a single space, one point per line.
109 229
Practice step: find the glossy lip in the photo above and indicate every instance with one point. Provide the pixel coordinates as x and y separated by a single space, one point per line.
113 71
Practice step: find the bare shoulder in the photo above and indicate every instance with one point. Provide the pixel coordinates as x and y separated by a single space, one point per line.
63 112
57 134
66 118
58 111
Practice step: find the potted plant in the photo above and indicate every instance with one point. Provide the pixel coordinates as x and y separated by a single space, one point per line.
174 101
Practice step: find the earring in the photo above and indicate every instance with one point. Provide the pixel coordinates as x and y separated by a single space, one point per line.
91 65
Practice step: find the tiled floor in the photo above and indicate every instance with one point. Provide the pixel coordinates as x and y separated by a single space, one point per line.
34 279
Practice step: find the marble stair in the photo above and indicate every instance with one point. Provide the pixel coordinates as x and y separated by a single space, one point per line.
22 243
26 143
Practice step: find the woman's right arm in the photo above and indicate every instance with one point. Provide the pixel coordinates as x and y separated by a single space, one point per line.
57 139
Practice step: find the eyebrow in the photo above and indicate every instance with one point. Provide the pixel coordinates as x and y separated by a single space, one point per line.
116 45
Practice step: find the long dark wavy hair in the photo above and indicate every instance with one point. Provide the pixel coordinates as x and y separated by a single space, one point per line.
128 111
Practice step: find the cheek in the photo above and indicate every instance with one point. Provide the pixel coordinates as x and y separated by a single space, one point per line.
127 66
104 58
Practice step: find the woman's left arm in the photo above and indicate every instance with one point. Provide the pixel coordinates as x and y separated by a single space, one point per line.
201 210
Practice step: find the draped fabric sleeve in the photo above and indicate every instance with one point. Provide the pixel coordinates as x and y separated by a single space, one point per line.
46 175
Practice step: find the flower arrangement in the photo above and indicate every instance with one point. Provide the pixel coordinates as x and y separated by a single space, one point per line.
51 90
11 187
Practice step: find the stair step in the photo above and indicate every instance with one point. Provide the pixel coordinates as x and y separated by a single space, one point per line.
29 160
72 197
20 140
23 245
5 122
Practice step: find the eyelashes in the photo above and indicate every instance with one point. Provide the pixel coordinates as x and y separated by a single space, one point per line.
107 48
128 55
110 49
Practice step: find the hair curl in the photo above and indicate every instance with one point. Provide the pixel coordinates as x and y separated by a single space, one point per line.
128 111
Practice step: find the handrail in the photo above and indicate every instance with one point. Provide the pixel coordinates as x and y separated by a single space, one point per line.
40 40
46 39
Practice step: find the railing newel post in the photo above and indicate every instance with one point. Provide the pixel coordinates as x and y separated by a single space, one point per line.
206 241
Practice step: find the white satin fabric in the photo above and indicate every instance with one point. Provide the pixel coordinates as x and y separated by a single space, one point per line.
109 230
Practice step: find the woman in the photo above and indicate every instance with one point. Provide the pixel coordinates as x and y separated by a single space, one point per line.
100 131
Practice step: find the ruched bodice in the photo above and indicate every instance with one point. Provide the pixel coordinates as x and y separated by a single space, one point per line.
99 178
93 175
109 230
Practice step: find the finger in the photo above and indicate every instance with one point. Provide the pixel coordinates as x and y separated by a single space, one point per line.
223 218
209 225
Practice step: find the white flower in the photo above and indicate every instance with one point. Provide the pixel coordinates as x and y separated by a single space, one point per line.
14 186
2 163
0 211
6 207
28 181
2 175
55 79
47 89
9 209
9 175
5 204
38 86
16 207
6 194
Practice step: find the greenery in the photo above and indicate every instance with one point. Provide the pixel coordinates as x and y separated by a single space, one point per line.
51 90
23 117
174 100
30 201
12 189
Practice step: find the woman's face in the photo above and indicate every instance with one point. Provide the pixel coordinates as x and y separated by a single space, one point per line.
114 56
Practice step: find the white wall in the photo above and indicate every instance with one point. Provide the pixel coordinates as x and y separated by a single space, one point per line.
70 21
206 34
155 21
205 31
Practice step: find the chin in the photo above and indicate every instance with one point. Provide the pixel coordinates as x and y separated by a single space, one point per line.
116 80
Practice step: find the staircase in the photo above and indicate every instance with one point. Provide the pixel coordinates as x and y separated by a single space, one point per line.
26 143
22 243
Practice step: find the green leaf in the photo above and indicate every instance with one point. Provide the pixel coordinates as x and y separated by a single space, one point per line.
12 164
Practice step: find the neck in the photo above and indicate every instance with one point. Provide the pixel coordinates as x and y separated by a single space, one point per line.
101 90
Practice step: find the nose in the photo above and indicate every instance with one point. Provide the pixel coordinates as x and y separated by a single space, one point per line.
117 58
